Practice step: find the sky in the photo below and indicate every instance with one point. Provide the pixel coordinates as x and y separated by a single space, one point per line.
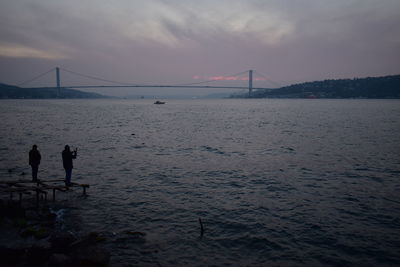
186 41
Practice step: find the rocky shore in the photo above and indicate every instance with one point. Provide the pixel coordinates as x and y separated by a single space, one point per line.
33 236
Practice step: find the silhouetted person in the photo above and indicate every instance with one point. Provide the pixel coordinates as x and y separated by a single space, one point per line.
34 161
67 157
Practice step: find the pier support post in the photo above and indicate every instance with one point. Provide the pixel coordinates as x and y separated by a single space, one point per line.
84 186
37 197
250 82
58 81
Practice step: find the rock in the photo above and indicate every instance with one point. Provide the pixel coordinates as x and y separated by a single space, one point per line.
20 222
83 242
96 237
59 260
38 233
11 256
31 214
38 253
61 242
92 256
12 209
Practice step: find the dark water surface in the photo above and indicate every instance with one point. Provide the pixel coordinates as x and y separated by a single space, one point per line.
275 182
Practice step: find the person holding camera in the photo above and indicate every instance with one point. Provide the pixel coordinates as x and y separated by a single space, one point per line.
67 157
34 161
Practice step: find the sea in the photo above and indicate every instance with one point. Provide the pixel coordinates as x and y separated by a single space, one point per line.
275 182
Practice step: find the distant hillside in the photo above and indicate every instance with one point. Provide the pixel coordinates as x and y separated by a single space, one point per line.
15 92
371 87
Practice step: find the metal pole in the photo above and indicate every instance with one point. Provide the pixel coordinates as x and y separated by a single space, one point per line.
250 82
58 81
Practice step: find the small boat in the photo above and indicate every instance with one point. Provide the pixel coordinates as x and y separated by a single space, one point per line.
159 102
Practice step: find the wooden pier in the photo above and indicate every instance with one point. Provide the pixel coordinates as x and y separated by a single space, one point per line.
40 188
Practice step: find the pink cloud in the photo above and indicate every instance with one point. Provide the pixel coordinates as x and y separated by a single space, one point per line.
223 78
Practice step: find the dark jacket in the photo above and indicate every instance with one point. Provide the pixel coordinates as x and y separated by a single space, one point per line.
34 157
67 157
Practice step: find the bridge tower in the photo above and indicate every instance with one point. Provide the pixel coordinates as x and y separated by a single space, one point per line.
58 81
250 82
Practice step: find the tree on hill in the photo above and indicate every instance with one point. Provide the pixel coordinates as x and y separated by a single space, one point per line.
371 87
15 92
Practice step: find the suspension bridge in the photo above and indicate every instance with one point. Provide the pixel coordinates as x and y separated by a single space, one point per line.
117 84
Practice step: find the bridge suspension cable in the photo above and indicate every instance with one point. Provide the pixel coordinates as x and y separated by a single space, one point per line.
97 78
212 80
189 84
268 79
36 77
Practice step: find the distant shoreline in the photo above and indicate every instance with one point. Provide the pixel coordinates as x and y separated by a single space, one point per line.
385 87
15 92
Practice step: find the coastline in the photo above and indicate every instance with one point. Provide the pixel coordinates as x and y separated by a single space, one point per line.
36 236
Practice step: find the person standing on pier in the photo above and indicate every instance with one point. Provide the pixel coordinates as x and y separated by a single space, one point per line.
67 157
34 161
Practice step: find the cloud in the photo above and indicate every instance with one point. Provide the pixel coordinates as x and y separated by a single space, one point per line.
183 23
20 51
176 23
172 40
164 22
